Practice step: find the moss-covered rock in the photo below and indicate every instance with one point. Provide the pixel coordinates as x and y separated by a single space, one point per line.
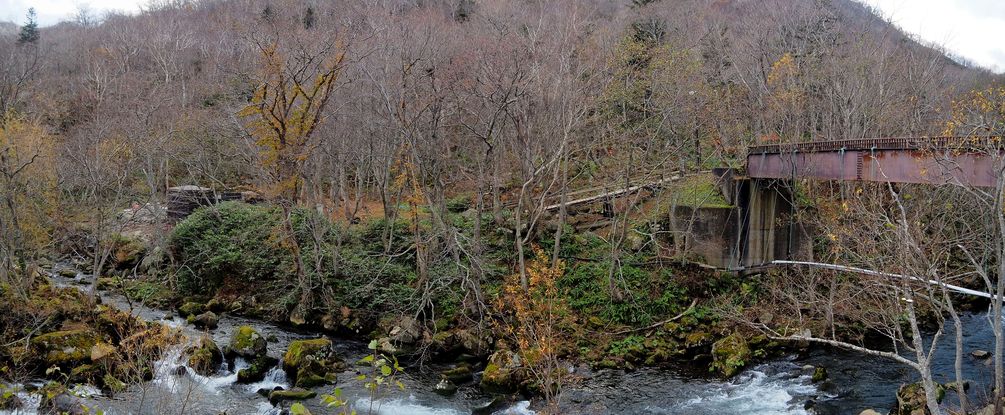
460 374
730 355
65 348
191 308
127 252
208 320
247 342
911 399
86 373
56 399
205 357
278 396
108 283
311 362
819 374
9 401
102 352
257 369
503 374
112 384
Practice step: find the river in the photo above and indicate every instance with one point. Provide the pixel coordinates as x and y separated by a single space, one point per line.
781 386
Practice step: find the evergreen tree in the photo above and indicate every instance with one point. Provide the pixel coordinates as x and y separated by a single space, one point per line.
29 32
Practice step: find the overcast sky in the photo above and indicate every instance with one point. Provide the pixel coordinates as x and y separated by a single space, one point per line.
973 29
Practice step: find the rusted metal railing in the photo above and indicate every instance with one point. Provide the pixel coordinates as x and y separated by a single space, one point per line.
965 143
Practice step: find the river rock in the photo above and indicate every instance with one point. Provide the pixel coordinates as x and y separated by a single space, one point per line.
208 320
388 346
191 309
730 354
55 399
247 342
503 374
473 342
65 348
216 306
403 330
445 388
296 394
911 399
9 401
312 362
980 354
819 374
205 358
257 369
497 404
460 374
869 412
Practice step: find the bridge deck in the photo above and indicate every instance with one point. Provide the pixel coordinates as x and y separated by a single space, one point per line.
928 160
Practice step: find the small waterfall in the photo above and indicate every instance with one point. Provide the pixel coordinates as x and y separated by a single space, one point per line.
30 401
166 369
166 372
273 378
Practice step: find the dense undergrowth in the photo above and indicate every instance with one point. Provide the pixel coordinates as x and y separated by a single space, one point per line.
367 273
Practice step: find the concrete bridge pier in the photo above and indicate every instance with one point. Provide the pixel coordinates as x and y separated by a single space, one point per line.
767 228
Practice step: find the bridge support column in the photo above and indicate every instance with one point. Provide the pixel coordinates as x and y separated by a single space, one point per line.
768 230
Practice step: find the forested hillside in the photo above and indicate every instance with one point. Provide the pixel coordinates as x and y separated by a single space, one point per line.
403 172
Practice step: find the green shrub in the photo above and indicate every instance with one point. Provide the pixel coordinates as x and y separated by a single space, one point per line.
232 239
640 296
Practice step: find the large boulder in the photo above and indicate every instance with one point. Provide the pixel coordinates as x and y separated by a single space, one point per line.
504 373
208 320
191 308
247 342
65 348
730 355
205 357
911 399
402 330
312 362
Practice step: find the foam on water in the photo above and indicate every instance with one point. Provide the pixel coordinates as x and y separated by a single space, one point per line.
273 378
30 401
753 392
520 408
402 406
166 373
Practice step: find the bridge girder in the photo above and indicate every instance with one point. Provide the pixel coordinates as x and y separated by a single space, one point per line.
883 165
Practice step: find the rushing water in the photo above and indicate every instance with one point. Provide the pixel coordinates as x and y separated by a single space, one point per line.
782 386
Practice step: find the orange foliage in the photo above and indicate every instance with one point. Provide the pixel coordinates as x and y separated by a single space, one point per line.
540 321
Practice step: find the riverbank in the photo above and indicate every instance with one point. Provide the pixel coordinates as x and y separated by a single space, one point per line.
783 385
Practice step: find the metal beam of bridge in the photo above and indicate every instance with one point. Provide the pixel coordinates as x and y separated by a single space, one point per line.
928 160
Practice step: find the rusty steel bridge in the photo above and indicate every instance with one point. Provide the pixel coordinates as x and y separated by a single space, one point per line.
927 160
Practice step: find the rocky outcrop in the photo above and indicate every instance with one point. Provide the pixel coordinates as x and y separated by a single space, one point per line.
312 362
